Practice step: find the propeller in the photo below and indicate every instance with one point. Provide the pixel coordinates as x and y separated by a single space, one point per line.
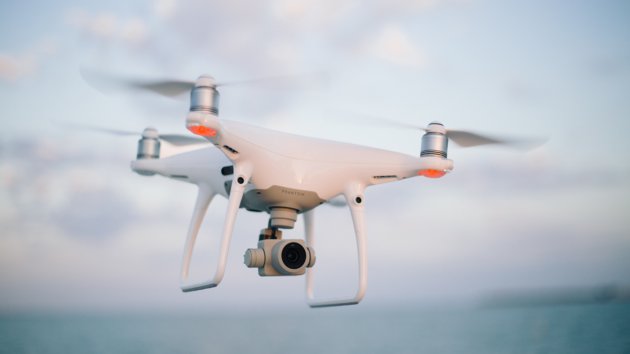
462 138
175 139
106 82
465 139
168 88
469 139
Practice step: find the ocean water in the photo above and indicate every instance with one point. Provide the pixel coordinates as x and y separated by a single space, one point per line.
595 328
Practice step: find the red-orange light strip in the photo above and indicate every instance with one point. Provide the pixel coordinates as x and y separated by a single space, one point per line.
431 173
202 130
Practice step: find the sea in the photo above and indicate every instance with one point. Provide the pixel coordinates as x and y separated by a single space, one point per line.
582 328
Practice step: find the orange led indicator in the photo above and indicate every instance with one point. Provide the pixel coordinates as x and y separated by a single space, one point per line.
432 173
202 130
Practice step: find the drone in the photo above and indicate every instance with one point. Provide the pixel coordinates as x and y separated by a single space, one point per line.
283 175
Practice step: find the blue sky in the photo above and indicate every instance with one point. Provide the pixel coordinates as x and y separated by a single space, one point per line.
81 231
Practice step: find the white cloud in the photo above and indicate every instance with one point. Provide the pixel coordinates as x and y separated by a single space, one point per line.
315 14
102 25
134 31
14 67
409 5
164 9
107 26
392 44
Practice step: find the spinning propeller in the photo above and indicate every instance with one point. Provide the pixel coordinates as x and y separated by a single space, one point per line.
175 88
149 132
461 138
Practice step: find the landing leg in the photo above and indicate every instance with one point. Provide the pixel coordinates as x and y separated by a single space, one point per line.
355 201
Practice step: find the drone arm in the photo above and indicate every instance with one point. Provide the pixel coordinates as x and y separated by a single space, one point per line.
355 199
241 177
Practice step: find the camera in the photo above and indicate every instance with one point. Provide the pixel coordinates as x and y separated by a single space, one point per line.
275 256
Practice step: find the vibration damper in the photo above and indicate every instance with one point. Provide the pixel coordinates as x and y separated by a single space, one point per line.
282 218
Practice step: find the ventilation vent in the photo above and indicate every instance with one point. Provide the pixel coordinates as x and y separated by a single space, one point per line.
385 177
230 149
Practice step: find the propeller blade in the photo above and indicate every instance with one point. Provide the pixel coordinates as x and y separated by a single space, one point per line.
182 140
175 139
93 128
107 83
461 138
469 139
280 80
168 88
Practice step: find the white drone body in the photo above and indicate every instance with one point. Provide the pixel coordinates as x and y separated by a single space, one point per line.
284 175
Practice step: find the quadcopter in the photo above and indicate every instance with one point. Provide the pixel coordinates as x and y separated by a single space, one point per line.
283 175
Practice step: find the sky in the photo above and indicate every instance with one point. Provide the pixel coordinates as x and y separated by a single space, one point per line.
79 231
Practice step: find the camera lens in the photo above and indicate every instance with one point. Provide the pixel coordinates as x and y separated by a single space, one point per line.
293 255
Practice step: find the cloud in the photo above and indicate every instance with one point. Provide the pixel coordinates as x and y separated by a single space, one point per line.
237 35
14 67
254 37
241 40
313 15
108 27
392 44
95 214
164 9
258 38
63 185
402 6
